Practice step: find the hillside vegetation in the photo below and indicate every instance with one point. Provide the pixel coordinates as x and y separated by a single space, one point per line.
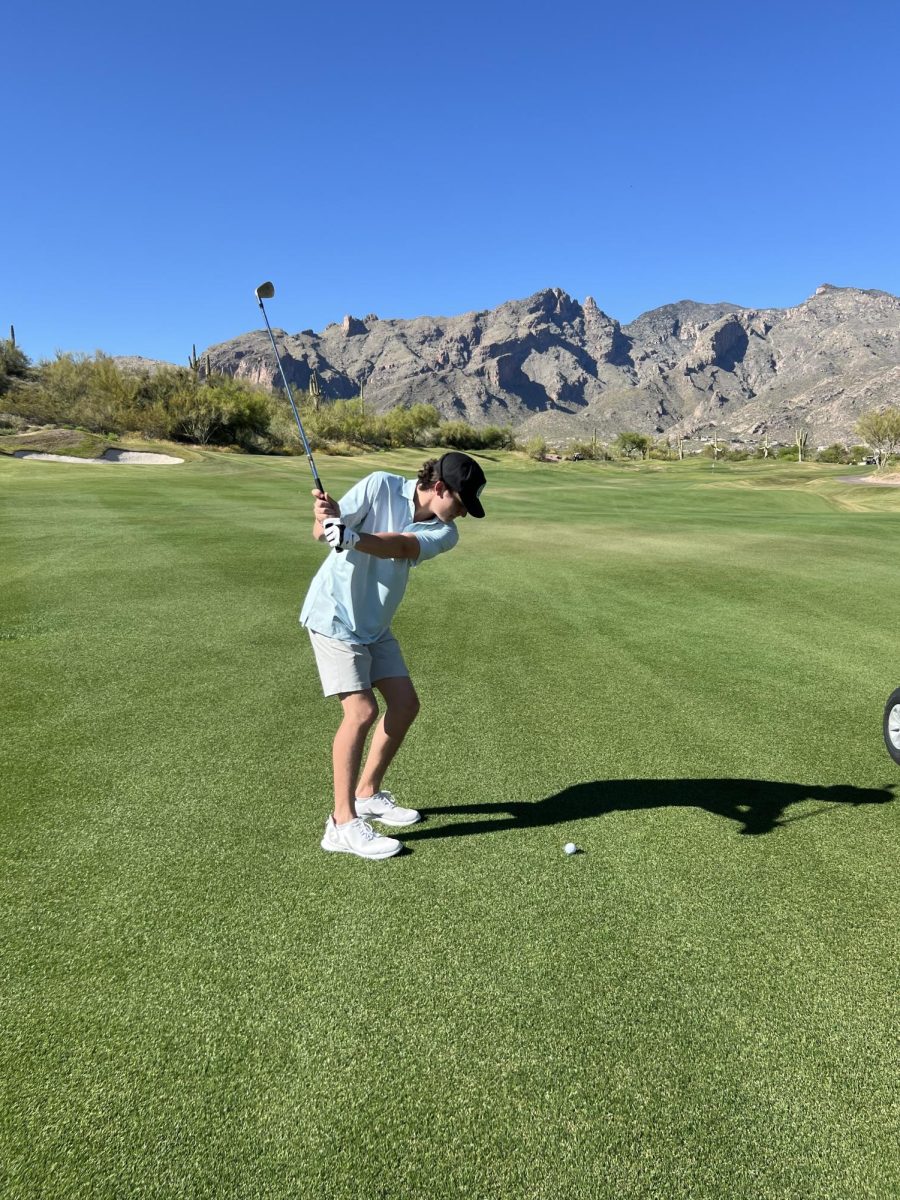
102 398
95 394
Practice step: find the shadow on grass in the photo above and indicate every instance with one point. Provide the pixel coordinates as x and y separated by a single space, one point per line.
757 805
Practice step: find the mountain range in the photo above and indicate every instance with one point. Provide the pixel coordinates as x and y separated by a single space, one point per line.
550 365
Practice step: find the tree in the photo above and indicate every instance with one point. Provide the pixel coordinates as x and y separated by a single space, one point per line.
881 431
631 444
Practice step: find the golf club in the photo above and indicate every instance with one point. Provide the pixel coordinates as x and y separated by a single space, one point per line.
891 725
266 291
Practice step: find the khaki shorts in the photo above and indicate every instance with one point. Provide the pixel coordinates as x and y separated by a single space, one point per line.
354 667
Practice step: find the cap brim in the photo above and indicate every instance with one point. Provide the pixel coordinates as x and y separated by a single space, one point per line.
473 505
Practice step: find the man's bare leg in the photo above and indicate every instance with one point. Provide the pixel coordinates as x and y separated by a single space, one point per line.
402 709
360 714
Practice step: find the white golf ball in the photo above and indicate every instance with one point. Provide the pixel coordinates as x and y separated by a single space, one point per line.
570 848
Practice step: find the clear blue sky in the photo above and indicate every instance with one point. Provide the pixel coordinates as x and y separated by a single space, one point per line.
401 159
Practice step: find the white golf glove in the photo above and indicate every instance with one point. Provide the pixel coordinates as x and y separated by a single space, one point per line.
338 535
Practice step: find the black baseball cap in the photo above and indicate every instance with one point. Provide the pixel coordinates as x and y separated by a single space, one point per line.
464 476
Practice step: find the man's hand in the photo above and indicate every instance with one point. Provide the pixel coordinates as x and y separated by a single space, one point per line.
324 506
338 535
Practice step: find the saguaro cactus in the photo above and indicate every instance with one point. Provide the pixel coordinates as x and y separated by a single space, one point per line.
801 437
12 334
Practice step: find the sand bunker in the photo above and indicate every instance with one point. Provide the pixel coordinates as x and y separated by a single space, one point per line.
139 457
878 480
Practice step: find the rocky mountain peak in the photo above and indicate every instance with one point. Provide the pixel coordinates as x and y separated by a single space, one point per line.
551 365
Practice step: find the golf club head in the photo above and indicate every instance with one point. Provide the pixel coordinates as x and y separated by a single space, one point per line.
265 291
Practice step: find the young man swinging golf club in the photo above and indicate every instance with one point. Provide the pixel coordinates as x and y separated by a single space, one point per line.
385 525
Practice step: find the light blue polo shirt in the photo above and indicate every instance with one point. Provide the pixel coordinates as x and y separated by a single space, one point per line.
353 596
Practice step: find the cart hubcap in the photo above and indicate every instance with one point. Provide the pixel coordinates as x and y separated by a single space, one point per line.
893 726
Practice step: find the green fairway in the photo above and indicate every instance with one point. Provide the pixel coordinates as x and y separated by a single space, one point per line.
679 667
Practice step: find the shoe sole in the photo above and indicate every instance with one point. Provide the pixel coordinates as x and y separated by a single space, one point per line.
386 820
346 850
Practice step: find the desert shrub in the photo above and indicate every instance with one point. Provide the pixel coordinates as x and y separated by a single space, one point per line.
187 414
536 448
835 453
591 450
345 420
498 437
350 423
110 396
460 435
14 364
283 435
10 421
240 413
410 426
340 448
73 389
58 394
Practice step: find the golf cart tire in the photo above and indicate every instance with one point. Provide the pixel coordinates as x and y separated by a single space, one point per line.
891 725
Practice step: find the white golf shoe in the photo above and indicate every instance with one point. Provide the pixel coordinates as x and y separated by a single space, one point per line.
383 807
359 838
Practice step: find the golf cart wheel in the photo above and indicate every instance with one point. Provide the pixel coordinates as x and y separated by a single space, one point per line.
892 725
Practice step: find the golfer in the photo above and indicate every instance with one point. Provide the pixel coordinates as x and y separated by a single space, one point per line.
382 527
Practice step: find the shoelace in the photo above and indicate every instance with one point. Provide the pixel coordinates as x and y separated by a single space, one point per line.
366 829
385 797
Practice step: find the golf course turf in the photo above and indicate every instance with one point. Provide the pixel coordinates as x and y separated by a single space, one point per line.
680 668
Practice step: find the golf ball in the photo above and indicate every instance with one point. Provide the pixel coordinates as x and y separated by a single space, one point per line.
570 848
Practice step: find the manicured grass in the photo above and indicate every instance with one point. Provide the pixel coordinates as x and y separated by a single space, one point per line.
679 668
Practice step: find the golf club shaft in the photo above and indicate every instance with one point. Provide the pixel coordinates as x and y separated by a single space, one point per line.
287 387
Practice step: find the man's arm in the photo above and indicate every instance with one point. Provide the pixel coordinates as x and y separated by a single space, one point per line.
379 545
389 545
